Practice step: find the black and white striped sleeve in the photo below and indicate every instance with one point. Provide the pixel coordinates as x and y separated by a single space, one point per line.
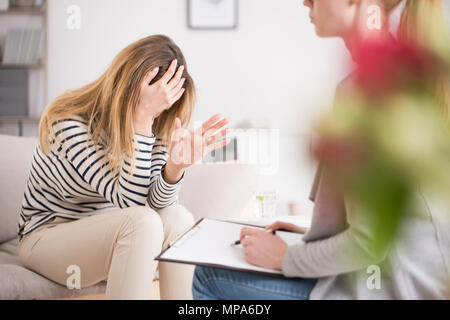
129 187
162 193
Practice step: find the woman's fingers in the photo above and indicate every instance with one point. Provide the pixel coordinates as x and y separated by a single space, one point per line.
276 225
177 96
245 242
217 136
176 137
302 229
213 129
176 130
217 145
247 232
177 124
150 76
177 78
207 124
286 226
178 87
170 72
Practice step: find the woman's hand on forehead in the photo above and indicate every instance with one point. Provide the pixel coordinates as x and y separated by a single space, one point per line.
161 95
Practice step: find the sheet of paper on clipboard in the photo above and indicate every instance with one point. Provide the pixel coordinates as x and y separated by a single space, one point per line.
209 243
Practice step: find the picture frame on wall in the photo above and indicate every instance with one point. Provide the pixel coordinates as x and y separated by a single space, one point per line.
212 14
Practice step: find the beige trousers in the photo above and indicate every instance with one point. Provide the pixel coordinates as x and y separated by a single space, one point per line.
118 246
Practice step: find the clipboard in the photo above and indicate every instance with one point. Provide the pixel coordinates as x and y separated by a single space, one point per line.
191 247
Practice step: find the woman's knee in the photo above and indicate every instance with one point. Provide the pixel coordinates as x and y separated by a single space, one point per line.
143 221
177 218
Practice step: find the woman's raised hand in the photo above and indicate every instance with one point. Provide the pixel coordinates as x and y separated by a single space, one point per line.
158 97
189 147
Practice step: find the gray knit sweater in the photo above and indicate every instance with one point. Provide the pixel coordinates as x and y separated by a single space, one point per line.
338 250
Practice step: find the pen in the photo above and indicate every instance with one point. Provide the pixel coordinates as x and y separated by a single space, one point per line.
238 242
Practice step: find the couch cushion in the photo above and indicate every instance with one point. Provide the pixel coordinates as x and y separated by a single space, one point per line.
15 164
20 283
9 254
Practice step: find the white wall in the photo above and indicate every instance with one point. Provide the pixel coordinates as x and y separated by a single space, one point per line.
271 67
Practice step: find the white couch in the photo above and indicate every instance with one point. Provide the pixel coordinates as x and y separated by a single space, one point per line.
209 190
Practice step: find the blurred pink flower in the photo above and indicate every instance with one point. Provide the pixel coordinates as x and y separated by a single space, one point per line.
389 65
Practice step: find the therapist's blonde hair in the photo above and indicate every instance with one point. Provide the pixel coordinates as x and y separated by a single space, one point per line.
108 103
423 22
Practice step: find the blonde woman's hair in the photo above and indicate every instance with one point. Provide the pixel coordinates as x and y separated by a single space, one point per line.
423 22
108 103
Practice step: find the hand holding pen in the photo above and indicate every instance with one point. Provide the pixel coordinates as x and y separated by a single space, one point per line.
263 248
278 225
238 242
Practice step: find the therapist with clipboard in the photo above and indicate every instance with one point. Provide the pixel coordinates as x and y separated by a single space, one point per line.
333 261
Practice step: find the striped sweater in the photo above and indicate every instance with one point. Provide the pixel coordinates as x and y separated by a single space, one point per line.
74 181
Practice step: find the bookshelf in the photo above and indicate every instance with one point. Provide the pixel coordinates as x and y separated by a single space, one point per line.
14 11
19 120
18 18
22 66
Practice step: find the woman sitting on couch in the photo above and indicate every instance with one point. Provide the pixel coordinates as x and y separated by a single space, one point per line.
103 150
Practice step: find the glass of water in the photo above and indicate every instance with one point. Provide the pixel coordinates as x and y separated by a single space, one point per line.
265 204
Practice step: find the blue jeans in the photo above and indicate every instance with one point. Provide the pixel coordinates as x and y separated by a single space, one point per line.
220 284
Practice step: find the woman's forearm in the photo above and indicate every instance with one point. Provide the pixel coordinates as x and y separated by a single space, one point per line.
172 174
345 252
142 123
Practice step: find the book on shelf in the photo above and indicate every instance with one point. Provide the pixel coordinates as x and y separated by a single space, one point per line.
23 46
19 58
